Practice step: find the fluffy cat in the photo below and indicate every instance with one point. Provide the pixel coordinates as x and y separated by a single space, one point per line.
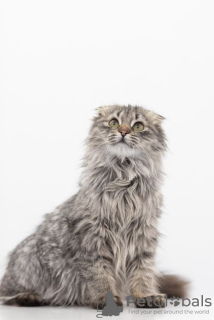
103 238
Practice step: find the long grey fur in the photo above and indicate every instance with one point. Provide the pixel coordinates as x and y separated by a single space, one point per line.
104 238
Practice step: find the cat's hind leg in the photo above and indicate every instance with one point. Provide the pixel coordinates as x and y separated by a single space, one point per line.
25 299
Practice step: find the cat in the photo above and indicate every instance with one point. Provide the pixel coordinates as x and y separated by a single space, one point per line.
104 238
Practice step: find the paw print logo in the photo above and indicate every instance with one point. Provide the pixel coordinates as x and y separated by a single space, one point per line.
175 301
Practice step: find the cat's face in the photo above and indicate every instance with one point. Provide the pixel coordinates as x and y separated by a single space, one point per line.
128 132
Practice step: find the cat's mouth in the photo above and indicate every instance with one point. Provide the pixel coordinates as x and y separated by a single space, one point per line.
122 140
119 141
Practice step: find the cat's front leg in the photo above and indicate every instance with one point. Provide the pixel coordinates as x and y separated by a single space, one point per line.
102 282
143 281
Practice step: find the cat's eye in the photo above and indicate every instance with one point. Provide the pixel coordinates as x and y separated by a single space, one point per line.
138 126
114 124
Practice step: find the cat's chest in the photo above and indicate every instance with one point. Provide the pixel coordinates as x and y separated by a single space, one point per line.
122 197
123 242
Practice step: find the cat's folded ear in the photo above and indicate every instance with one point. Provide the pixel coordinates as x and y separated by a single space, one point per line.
103 110
99 111
153 117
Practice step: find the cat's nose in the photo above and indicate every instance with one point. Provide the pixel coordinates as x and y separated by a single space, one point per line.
124 129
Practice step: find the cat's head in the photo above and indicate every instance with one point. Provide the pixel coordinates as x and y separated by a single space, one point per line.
127 132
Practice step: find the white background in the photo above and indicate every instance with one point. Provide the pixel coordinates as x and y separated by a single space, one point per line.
62 59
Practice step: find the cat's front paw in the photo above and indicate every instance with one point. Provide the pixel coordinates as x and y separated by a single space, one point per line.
153 301
103 301
99 303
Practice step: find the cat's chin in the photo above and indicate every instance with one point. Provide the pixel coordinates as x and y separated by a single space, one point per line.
122 150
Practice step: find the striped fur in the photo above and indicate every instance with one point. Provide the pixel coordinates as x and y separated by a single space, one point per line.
103 238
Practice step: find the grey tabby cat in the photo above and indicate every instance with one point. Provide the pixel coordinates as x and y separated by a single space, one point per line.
103 238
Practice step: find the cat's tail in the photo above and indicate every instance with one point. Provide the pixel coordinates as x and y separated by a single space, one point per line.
173 285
